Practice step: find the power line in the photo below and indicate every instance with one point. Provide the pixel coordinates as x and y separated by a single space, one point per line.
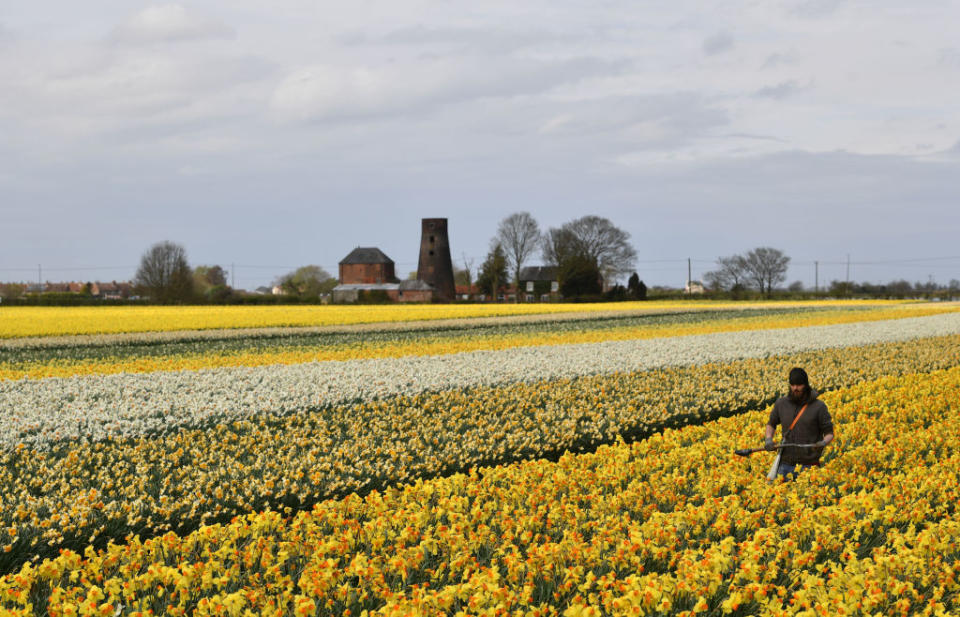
915 259
71 268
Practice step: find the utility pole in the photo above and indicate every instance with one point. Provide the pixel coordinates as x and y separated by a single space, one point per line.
233 276
848 270
39 279
816 277
689 277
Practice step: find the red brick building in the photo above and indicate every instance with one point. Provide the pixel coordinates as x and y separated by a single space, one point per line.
369 270
367 266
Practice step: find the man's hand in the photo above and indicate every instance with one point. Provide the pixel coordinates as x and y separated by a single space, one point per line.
822 443
768 444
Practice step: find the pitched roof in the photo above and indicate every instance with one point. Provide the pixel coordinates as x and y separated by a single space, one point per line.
368 255
538 273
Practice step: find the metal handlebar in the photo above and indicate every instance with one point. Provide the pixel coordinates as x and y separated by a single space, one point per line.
749 451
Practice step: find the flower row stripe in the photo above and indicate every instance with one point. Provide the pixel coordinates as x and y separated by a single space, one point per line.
39 413
266 352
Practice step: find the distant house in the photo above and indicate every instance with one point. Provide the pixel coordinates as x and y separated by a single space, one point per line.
467 292
112 290
367 270
694 287
351 292
539 283
415 291
404 291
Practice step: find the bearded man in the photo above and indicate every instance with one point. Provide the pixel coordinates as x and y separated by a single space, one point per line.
803 419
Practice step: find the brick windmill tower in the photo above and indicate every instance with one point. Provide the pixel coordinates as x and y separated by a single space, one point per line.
435 266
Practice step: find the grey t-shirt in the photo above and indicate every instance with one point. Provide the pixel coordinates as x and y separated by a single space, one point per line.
811 427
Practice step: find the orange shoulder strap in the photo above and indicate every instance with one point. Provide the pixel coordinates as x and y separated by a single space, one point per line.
794 423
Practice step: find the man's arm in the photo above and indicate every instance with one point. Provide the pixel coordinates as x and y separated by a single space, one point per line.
771 428
768 436
826 427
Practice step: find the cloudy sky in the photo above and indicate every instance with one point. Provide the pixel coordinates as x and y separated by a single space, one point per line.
273 135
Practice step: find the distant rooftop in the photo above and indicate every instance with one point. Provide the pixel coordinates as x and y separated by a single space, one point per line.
538 273
366 255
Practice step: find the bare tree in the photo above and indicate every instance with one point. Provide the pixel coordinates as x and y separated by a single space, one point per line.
732 271
766 267
595 238
558 245
164 274
468 270
605 243
519 235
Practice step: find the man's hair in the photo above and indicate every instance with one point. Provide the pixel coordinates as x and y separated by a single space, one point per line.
798 377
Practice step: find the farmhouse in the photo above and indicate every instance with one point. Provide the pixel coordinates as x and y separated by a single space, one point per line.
539 283
368 271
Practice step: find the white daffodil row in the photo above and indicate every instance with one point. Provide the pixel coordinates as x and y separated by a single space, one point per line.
41 412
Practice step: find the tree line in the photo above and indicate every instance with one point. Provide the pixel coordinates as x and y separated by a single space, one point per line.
164 275
585 252
763 268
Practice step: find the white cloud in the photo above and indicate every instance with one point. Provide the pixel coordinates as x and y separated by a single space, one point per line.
814 9
640 122
717 43
8 38
779 91
168 23
779 59
950 57
493 40
327 92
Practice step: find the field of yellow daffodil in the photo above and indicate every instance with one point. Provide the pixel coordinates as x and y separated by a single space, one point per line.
79 492
430 468
59 321
670 525
147 354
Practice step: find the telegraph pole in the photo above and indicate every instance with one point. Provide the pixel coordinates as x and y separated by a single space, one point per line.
689 277
39 279
816 277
